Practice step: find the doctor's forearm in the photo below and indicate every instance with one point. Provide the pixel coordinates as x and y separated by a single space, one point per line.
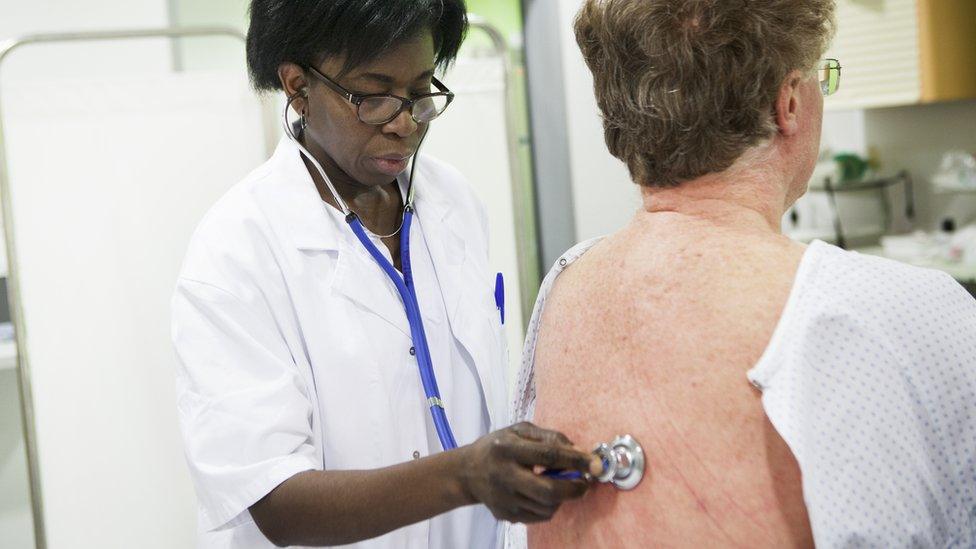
339 507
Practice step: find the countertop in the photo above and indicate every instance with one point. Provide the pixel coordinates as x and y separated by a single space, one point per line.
963 272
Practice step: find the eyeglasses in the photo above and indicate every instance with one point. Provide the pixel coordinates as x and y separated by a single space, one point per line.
380 108
829 73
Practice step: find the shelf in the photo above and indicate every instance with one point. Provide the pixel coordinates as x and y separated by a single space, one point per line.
865 234
963 272
864 185
942 189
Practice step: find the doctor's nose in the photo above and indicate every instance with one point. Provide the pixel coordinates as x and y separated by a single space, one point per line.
403 125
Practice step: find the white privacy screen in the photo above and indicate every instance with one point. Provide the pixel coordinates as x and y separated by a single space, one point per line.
108 180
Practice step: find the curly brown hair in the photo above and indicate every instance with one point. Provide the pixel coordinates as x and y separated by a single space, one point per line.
687 86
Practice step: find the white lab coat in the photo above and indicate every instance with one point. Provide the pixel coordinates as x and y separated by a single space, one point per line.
293 344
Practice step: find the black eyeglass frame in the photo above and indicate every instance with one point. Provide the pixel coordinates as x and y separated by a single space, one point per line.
358 99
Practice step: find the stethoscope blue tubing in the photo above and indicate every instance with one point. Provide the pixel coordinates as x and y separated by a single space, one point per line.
408 293
405 287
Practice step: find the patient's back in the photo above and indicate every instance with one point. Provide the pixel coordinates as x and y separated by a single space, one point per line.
651 333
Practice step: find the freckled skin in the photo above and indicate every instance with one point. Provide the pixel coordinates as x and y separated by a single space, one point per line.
651 334
653 338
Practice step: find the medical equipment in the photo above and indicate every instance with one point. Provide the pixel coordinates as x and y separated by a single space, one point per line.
623 464
818 214
500 296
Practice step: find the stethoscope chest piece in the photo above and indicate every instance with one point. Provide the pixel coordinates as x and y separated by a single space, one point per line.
623 461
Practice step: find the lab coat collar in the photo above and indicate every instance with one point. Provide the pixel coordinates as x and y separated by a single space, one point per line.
314 229
444 240
447 251
459 283
311 228
307 221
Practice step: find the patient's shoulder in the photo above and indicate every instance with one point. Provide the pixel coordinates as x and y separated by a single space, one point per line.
835 282
568 258
522 407
860 314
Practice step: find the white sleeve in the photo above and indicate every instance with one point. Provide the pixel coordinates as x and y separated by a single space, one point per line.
950 384
243 405
873 386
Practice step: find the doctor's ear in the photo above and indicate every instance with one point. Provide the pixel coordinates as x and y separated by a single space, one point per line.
294 83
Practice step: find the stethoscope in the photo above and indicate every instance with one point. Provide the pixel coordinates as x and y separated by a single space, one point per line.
404 285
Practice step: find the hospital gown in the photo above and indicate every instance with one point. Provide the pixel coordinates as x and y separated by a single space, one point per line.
870 378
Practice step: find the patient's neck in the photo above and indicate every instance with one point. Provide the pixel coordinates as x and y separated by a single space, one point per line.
748 196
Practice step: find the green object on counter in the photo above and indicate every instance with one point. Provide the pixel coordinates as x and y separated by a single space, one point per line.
852 167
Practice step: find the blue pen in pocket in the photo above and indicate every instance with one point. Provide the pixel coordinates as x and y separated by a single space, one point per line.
500 295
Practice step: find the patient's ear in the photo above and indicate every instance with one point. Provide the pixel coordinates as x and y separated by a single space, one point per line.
787 108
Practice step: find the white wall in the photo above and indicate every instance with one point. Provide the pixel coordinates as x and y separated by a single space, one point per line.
207 53
480 104
604 197
53 16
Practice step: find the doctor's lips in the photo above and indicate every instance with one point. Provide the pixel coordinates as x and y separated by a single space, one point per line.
391 164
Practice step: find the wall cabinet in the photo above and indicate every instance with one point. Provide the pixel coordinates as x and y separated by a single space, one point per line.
904 52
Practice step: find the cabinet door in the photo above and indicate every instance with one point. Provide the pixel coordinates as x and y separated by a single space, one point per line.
877 43
947 36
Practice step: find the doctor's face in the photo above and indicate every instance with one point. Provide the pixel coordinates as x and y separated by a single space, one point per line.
359 153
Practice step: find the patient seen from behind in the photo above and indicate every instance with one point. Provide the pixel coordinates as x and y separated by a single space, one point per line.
784 394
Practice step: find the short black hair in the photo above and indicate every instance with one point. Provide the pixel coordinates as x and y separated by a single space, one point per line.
305 32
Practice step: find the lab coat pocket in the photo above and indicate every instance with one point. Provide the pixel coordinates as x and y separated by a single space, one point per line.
498 370
501 337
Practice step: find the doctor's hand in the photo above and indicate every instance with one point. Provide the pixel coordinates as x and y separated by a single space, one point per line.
500 471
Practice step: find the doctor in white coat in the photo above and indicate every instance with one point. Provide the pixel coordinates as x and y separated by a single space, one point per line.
304 417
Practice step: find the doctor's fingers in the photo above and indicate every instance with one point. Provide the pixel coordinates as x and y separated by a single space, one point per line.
531 454
538 434
512 506
546 491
